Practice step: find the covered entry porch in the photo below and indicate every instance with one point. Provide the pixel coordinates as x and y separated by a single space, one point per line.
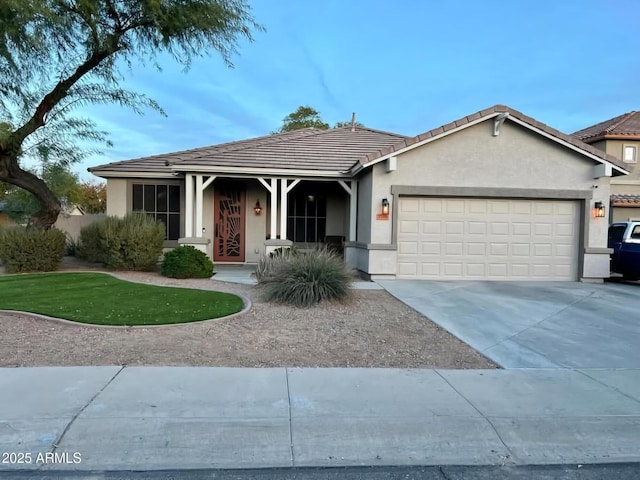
237 219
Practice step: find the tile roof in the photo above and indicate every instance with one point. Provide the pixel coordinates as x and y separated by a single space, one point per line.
625 200
333 150
322 151
408 142
622 126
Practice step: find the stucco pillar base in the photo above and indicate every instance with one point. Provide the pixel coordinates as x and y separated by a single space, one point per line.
272 245
596 267
201 243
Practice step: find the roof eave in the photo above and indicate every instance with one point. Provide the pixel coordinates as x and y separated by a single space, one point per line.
262 172
131 174
611 136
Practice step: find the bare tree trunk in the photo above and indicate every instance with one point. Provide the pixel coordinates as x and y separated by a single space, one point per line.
10 172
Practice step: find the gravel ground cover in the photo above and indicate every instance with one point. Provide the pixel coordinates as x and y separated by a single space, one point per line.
373 329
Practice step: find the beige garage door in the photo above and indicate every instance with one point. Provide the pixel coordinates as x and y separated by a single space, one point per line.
491 239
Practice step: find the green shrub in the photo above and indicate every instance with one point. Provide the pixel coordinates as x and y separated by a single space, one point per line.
187 262
304 280
270 263
71 248
133 242
31 250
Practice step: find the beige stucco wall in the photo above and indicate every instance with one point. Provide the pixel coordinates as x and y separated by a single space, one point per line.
117 198
615 148
622 214
72 224
517 158
365 185
256 225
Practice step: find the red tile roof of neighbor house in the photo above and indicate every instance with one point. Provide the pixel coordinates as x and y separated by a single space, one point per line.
625 200
620 127
322 151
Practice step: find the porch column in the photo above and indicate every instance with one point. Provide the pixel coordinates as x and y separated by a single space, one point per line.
199 202
285 188
201 186
352 190
188 205
272 187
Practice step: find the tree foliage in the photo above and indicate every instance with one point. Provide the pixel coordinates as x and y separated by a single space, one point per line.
347 124
20 204
57 55
308 117
303 117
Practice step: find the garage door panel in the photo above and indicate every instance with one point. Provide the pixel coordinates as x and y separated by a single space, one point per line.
499 228
519 228
476 228
430 270
476 270
432 227
565 230
408 226
490 239
408 268
431 205
500 207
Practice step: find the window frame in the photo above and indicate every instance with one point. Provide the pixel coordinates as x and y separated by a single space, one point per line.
180 213
634 148
292 206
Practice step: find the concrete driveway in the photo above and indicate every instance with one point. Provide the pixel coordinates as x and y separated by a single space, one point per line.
534 324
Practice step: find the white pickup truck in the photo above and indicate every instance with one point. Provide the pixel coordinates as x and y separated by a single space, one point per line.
624 239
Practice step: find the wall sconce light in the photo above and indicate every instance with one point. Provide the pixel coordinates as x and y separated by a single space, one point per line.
385 206
598 210
257 208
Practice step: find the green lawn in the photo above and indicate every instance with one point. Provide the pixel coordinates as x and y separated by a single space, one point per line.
101 299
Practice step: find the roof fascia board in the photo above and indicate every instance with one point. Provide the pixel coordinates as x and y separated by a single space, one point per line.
567 144
263 172
359 166
138 174
612 136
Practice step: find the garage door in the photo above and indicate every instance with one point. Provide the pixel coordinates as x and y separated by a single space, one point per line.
491 239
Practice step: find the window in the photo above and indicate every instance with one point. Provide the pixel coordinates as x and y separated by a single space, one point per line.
162 202
635 233
629 154
307 218
616 232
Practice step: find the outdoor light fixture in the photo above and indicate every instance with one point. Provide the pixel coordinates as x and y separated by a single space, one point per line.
598 210
257 208
385 206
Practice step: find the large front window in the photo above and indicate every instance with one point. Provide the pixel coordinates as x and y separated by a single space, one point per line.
162 202
307 218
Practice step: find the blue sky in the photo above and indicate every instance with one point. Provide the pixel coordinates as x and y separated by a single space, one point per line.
405 66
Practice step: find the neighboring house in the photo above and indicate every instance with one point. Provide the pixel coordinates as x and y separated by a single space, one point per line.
620 136
73 210
495 195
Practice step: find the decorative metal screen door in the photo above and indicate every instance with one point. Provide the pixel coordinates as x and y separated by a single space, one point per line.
229 211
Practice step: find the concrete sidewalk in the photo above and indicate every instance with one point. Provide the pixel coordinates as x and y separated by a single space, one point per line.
184 417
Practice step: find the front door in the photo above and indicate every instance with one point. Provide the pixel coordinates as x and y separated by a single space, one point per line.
229 209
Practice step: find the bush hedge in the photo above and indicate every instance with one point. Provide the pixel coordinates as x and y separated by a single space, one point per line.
31 250
306 279
187 262
133 242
